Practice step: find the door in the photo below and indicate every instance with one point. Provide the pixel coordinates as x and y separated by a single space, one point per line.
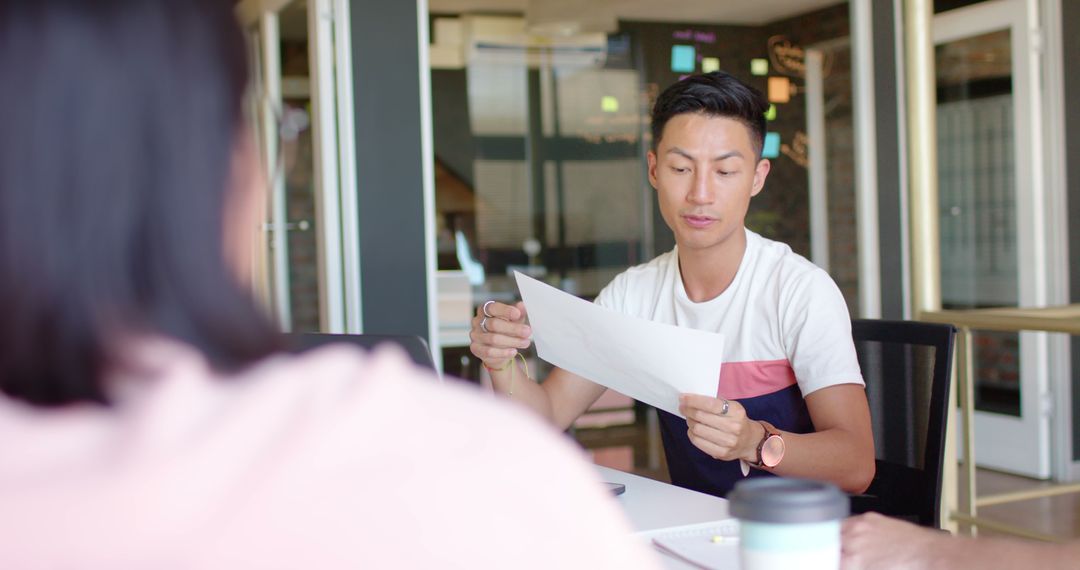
994 229
301 98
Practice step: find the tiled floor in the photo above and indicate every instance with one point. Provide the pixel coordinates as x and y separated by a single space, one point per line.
627 447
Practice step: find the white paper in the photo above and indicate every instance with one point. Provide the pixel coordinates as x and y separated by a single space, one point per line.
650 362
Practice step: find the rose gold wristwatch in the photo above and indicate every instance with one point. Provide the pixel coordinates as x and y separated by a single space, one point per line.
770 450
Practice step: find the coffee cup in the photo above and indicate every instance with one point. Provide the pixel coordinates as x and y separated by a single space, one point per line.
788 523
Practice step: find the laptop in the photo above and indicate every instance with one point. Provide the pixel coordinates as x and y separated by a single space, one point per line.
415 346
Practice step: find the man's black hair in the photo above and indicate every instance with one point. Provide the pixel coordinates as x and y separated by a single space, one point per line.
715 94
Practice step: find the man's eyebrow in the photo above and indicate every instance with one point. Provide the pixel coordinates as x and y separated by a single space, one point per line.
680 152
729 154
724 156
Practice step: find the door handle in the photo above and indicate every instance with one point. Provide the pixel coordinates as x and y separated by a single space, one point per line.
302 225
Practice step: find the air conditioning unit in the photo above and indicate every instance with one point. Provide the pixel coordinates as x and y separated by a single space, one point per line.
505 40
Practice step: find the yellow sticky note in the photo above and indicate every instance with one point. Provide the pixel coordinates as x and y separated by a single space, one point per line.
609 104
759 66
709 64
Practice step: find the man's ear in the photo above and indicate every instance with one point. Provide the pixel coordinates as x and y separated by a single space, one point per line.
761 172
651 157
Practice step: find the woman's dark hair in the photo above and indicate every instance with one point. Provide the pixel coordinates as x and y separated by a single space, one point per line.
714 94
118 120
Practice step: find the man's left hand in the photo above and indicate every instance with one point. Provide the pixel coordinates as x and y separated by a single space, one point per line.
720 427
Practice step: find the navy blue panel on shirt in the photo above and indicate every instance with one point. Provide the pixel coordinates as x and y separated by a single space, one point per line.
692 468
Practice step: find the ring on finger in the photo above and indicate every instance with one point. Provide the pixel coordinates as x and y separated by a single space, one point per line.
485 311
723 409
483 324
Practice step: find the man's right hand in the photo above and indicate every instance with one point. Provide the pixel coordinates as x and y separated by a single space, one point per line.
497 338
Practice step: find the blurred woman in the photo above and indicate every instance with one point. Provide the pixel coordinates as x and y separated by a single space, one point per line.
147 419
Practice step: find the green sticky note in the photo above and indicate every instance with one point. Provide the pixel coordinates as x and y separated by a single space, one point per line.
609 104
682 58
770 115
759 66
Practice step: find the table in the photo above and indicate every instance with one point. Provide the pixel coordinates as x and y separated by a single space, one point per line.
1061 319
652 505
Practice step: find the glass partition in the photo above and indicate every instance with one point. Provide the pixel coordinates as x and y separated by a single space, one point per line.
295 117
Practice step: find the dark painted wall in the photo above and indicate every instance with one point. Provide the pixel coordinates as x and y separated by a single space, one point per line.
1070 33
386 74
787 190
887 103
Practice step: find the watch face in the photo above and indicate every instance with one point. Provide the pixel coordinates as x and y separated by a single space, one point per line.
772 451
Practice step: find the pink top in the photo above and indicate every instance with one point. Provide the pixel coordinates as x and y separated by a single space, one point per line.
334 459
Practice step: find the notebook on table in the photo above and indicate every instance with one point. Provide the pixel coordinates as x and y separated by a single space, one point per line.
712 545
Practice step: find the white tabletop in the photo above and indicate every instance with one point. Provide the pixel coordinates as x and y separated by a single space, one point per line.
652 506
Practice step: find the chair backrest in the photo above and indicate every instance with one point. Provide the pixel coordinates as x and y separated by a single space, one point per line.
415 346
908 369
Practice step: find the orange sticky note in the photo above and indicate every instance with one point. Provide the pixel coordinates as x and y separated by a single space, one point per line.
779 89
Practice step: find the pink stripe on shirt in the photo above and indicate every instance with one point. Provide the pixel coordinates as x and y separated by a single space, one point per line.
754 378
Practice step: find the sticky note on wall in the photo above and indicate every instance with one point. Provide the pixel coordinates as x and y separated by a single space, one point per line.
771 148
682 58
779 90
759 66
710 64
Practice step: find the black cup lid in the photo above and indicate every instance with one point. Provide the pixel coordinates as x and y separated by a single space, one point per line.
782 500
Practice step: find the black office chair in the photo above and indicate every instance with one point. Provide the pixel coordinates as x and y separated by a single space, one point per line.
415 346
908 368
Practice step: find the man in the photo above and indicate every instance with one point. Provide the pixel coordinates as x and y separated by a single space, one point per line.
791 399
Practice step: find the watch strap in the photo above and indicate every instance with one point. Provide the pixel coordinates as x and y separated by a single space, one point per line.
769 432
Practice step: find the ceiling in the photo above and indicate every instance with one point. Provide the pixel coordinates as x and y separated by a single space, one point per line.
744 12
741 12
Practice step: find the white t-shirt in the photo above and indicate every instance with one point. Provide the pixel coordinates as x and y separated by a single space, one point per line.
333 459
780 315
786 331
